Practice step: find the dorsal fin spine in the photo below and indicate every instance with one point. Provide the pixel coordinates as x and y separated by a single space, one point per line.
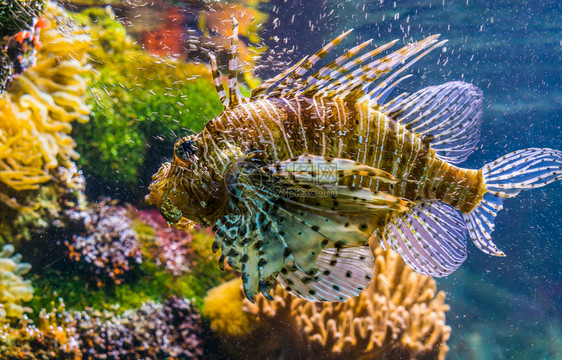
217 80
233 91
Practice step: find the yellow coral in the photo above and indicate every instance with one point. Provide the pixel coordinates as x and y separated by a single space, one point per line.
398 316
223 305
13 289
37 110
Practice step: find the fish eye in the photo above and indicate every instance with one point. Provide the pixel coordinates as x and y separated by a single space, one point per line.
186 150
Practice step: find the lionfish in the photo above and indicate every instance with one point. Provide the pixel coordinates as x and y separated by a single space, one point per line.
301 180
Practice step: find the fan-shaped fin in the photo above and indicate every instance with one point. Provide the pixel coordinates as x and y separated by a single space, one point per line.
357 82
294 79
448 115
430 238
505 178
263 89
326 70
276 221
342 273
324 77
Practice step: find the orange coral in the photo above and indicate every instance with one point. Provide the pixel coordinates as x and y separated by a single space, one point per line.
400 315
37 110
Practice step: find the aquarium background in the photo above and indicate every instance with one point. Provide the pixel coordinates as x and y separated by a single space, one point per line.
157 279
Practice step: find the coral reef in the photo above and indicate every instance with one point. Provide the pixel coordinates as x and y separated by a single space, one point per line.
14 290
399 316
224 307
37 111
52 338
109 246
41 211
171 248
171 330
77 282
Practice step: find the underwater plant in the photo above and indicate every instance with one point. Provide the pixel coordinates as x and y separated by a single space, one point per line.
37 111
172 330
400 316
14 290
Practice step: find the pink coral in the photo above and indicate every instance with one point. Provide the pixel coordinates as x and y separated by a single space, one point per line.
172 245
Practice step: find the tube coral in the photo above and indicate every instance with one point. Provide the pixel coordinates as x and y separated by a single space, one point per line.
13 288
37 111
398 316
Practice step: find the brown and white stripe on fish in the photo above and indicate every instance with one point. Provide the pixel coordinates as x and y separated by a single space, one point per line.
396 180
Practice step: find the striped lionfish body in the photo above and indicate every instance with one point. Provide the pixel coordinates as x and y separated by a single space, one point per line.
299 179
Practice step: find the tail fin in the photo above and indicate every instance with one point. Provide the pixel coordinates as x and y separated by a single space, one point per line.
505 178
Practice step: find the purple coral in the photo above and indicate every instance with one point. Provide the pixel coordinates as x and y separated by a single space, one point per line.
109 245
154 331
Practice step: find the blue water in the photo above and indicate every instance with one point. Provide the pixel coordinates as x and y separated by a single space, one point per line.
501 308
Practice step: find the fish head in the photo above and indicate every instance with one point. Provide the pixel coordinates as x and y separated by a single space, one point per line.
178 187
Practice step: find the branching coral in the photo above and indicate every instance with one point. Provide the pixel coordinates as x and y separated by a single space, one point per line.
37 111
14 290
172 330
110 245
399 316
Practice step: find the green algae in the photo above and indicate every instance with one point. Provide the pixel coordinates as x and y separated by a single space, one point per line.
140 104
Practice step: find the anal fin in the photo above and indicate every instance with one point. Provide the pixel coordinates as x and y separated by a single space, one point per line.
430 238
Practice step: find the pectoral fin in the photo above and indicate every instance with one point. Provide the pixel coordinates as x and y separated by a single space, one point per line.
280 224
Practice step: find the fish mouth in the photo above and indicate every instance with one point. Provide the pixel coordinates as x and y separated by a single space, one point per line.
154 198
